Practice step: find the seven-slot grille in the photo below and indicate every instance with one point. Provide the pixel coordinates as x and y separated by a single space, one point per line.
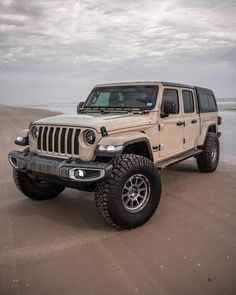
58 140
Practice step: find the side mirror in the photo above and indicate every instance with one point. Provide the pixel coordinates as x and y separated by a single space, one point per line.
80 107
169 108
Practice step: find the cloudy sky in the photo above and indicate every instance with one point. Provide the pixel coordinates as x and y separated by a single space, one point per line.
55 51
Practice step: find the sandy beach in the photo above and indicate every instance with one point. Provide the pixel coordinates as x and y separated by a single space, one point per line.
62 246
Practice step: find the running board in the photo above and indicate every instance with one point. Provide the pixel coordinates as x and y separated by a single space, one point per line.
180 157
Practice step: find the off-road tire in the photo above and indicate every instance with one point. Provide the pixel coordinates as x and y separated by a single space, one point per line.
109 193
34 189
208 160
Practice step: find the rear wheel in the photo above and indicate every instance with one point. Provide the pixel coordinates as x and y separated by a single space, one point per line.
130 197
35 189
208 160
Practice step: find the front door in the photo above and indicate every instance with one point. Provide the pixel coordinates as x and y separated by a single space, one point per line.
171 127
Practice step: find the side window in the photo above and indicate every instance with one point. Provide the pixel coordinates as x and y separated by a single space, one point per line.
170 96
207 103
188 101
204 106
212 103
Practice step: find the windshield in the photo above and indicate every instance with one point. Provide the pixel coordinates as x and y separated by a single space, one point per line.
142 97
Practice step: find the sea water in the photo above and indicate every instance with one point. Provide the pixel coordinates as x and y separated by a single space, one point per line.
227 110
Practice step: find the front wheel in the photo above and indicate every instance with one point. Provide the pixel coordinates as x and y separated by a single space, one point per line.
208 160
35 189
130 197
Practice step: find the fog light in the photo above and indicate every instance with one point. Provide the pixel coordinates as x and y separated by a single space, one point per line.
77 174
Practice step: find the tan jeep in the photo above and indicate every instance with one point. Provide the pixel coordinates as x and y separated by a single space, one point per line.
123 134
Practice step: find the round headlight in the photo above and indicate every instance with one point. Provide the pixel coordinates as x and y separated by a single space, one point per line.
89 137
34 132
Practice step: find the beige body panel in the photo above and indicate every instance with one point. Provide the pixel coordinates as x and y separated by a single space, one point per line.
192 127
120 139
191 130
175 139
207 119
171 136
112 122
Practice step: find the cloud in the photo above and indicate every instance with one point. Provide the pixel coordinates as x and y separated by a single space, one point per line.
95 39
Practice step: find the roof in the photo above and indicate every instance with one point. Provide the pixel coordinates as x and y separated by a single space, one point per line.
145 83
176 85
201 90
128 83
171 84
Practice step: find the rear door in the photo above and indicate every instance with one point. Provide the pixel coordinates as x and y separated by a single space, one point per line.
191 119
171 129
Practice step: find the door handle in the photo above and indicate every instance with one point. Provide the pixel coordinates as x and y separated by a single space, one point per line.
180 123
194 121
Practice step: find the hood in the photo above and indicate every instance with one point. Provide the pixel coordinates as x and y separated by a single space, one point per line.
110 121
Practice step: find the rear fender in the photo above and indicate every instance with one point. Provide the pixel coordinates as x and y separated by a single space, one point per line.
210 127
209 123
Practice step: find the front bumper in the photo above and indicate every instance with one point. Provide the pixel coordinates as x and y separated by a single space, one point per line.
73 170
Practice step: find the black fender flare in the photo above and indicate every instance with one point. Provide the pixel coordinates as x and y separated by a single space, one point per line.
114 154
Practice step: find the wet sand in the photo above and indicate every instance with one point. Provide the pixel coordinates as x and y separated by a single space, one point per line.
62 246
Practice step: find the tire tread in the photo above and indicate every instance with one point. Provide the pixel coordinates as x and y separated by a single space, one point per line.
204 161
27 186
104 192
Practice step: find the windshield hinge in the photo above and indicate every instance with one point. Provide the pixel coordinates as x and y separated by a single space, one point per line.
104 131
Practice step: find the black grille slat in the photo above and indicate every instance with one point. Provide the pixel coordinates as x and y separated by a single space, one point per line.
39 138
50 139
56 140
69 141
45 138
76 142
60 140
63 140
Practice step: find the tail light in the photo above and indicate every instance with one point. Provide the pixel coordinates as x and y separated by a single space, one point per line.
219 120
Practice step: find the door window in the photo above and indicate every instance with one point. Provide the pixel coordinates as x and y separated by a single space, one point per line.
188 101
170 96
